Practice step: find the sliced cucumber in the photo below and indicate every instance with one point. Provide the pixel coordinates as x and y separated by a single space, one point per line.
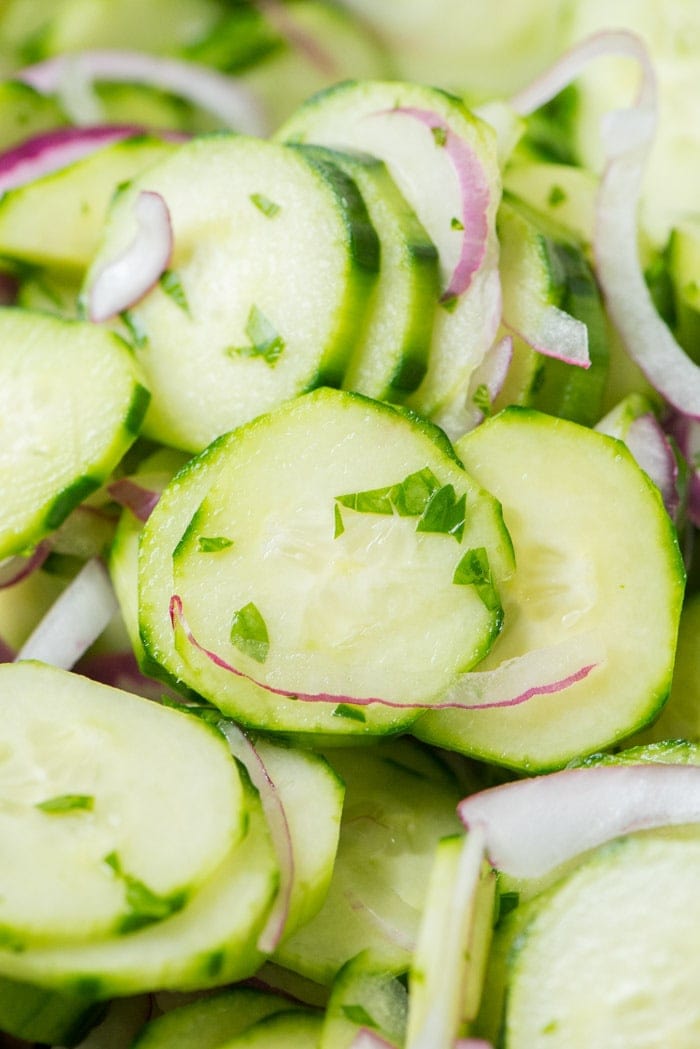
415 131
683 254
325 563
25 112
596 555
274 259
293 1029
70 404
89 771
398 804
55 221
210 1022
364 996
391 357
36 1015
606 958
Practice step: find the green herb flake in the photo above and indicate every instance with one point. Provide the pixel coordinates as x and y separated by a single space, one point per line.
456 223
67 803
265 340
374 501
344 710
211 544
136 332
474 570
264 204
556 196
147 906
507 902
445 514
439 135
171 284
415 492
357 1014
339 526
481 398
449 303
249 633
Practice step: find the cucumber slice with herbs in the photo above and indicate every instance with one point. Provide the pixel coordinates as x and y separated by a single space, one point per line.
429 141
273 261
329 561
364 995
71 404
597 556
89 772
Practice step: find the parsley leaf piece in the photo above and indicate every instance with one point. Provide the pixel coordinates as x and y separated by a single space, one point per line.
339 527
357 1014
172 285
211 544
439 135
456 223
249 633
265 340
67 803
482 399
264 204
415 492
344 710
474 570
374 501
445 513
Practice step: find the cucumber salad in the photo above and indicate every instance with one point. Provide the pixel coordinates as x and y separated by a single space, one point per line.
349 572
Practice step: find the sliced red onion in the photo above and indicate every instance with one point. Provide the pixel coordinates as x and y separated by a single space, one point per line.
542 671
534 825
465 412
126 279
390 931
56 149
7 652
280 17
15 569
686 433
651 448
366 1038
627 137
551 332
134 497
273 807
475 193
75 620
215 92
444 1011
121 670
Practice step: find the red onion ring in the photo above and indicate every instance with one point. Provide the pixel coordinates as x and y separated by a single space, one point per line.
135 497
532 826
242 748
280 17
557 667
126 279
215 92
16 568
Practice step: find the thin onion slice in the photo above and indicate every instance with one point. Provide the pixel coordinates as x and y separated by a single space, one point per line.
242 748
127 278
652 449
554 333
366 1038
212 91
686 433
466 411
544 671
281 17
141 501
53 150
627 136
16 568
75 620
532 826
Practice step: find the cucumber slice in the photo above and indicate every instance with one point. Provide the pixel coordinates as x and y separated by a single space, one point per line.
36 1015
596 554
274 258
597 964
64 426
25 112
391 356
89 771
294 1029
410 128
210 1022
364 995
56 221
398 804
209 942
324 563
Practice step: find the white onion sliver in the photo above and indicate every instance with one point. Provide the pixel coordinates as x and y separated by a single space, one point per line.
75 620
651 448
532 826
16 568
463 413
242 748
366 1038
555 333
126 279
215 92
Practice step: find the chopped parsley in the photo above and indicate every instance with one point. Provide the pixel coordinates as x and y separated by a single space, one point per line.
211 544
249 632
172 285
67 803
265 340
264 204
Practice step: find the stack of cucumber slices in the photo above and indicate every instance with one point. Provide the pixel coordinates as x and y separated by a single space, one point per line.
348 608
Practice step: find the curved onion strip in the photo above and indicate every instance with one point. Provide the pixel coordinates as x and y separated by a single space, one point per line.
76 619
627 137
15 569
215 92
135 497
533 826
555 333
466 411
443 1016
543 671
686 433
475 194
280 16
127 278
242 748
651 448
52 150
389 931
